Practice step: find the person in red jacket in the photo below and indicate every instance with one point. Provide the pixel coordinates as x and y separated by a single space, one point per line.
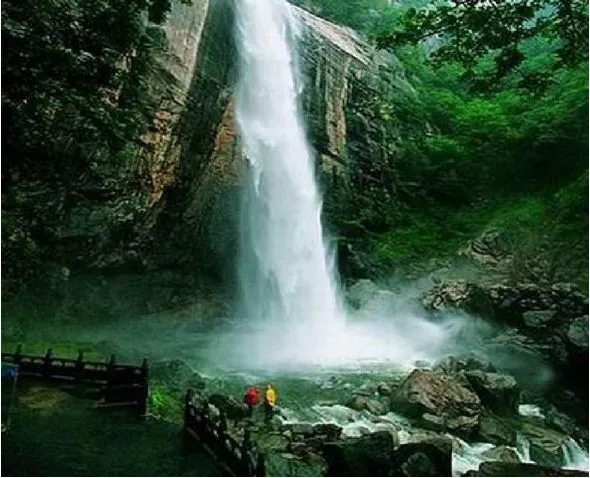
252 398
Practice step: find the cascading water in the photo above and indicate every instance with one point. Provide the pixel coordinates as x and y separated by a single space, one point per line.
285 273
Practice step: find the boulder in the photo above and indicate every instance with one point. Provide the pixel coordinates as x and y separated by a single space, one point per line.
369 455
496 430
546 445
383 389
430 456
372 405
498 468
538 318
230 405
490 248
462 295
502 453
451 365
577 333
426 392
560 421
500 393
511 302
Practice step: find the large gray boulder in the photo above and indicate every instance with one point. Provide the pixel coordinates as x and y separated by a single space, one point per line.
230 405
500 393
424 392
363 402
462 295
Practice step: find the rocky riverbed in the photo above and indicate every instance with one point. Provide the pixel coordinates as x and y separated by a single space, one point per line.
492 382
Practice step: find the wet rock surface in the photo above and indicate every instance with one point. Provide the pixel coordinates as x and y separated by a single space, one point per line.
441 396
500 393
546 445
371 404
503 454
493 429
521 469
545 323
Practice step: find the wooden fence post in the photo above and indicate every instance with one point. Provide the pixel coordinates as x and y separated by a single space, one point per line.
18 354
260 467
142 399
80 366
187 403
47 363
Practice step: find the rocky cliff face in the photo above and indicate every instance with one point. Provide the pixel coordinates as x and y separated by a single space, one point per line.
200 208
175 202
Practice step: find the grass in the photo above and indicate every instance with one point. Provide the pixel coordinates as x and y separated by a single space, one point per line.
442 230
440 233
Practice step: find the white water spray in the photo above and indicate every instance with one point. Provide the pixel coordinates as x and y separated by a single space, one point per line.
285 273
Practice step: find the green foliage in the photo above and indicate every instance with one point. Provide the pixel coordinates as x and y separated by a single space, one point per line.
164 404
438 167
75 100
495 31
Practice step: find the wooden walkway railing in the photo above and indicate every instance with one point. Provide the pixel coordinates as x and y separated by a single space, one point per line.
238 459
122 385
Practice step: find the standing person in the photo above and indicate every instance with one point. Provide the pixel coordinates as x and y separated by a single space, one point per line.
252 398
270 400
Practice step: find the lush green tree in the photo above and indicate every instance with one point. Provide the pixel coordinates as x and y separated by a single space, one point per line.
469 31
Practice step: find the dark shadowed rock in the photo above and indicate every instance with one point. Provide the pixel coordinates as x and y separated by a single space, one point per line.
502 453
369 455
383 389
231 406
328 430
430 456
538 318
498 468
496 430
500 393
546 444
440 395
462 295
304 429
560 421
577 332
452 365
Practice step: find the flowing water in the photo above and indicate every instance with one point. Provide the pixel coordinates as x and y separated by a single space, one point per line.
294 329
287 279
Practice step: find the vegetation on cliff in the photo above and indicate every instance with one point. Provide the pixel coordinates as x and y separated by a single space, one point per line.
503 141
75 101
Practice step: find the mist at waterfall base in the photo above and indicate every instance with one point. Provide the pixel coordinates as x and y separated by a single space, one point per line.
293 317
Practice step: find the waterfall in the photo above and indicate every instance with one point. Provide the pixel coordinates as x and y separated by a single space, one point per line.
575 457
286 276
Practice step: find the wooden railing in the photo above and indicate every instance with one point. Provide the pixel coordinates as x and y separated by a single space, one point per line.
238 458
121 385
